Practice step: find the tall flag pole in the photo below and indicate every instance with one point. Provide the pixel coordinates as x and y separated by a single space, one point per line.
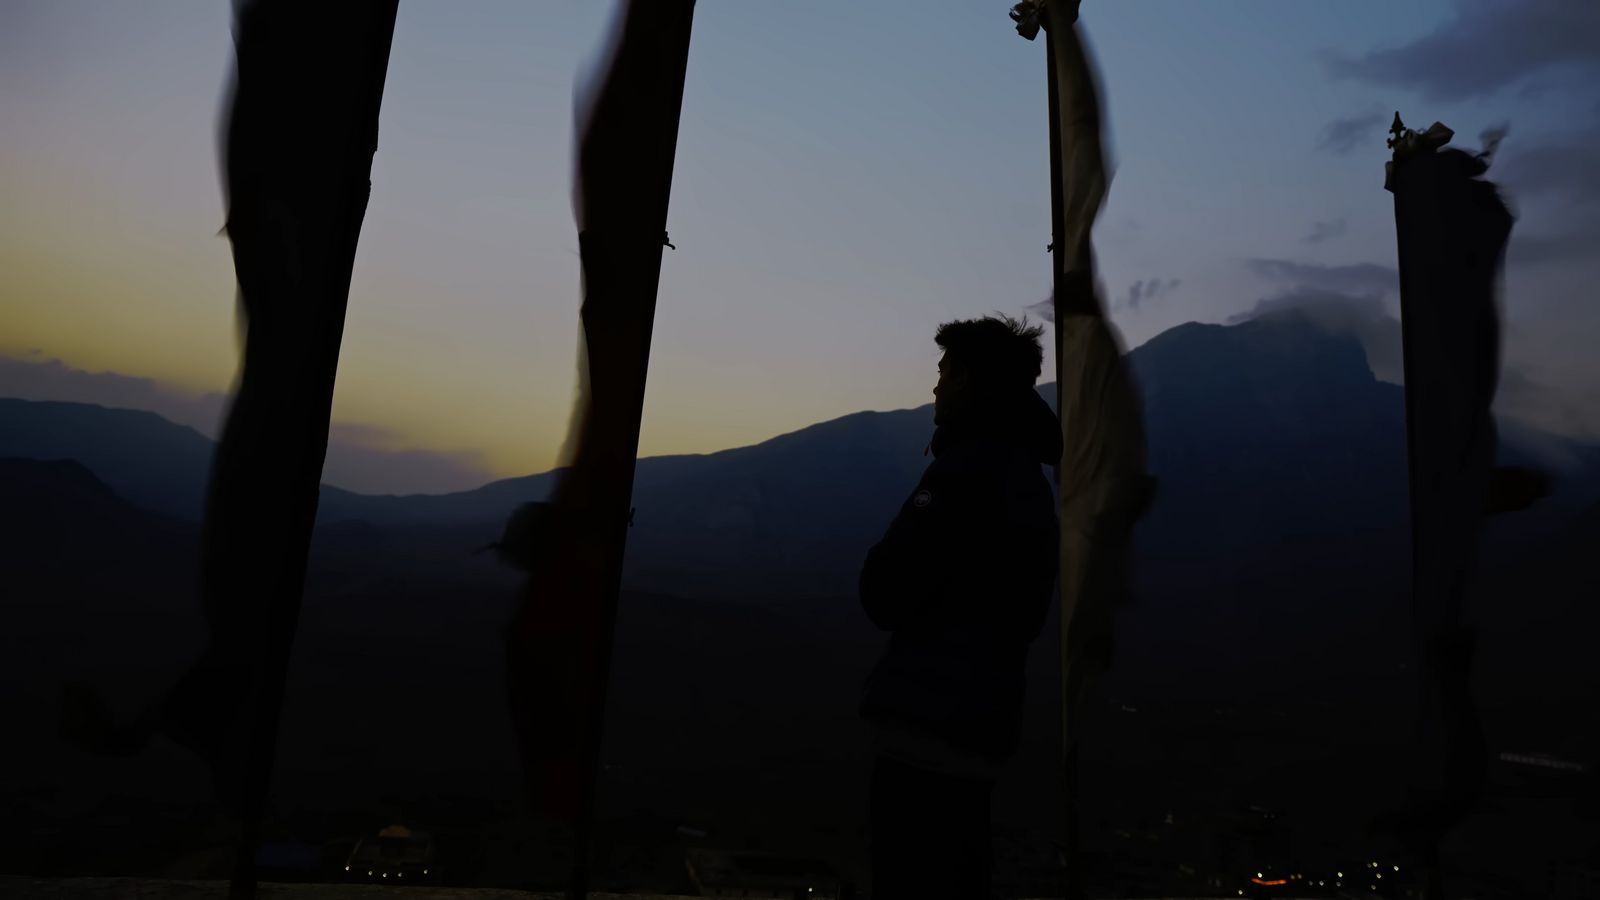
1452 228
560 642
1103 482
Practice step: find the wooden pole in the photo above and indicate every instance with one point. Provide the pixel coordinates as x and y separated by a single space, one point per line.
1072 876
1102 482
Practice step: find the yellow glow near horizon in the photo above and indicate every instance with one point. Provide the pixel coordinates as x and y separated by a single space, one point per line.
158 302
99 299
123 310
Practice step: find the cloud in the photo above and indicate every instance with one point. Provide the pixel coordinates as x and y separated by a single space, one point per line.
1566 166
1538 248
1554 186
1366 318
1359 279
361 457
1523 401
37 378
1325 231
1345 134
1485 46
1342 299
1149 290
1142 291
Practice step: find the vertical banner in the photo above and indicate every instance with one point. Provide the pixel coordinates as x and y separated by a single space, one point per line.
1452 229
1104 488
301 132
559 643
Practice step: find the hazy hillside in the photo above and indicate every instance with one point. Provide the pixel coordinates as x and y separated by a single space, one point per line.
1235 677
1271 431
146 459
143 457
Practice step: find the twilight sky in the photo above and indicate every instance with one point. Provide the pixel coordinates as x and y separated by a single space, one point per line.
848 176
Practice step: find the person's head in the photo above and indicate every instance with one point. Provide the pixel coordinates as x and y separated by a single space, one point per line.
984 360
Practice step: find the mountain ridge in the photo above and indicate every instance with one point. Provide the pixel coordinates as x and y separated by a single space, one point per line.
1278 379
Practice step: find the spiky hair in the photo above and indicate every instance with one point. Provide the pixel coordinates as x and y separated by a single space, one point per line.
998 351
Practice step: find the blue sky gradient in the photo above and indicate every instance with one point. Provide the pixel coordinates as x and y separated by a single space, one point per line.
848 176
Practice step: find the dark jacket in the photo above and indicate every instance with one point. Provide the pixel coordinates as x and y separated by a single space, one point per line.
963 580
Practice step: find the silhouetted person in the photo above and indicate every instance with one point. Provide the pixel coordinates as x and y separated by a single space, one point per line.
962 580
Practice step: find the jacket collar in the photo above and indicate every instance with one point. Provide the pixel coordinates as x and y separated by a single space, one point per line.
1021 419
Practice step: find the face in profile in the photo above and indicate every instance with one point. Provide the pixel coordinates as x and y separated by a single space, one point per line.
950 394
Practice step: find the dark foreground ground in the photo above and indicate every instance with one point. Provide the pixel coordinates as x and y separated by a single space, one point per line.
1258 717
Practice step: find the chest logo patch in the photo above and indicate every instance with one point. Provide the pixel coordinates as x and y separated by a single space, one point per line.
921 499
